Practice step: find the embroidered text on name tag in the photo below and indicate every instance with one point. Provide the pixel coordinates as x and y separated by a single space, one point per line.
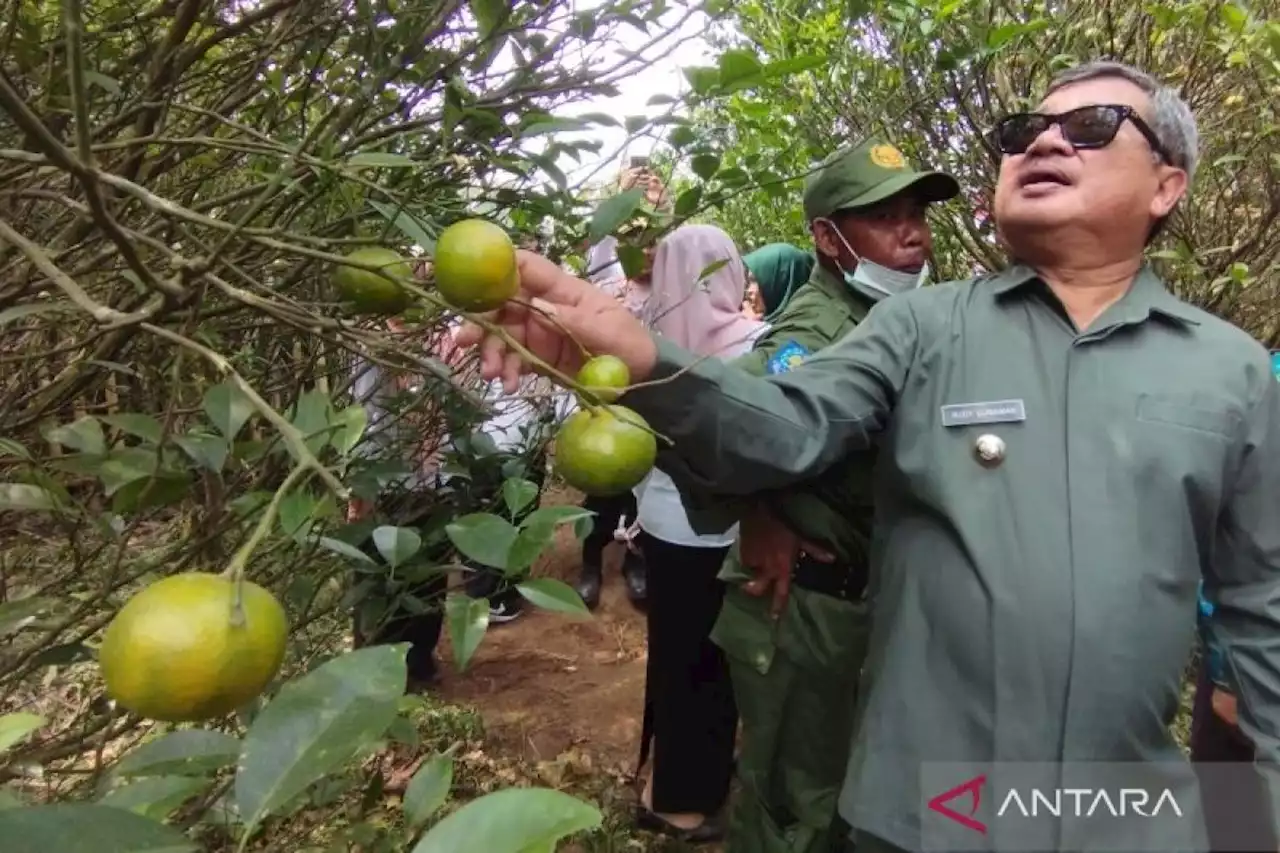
996 412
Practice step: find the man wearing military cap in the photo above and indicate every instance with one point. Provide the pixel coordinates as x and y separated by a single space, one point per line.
795 655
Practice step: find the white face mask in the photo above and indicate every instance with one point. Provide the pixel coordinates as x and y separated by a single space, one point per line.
880 280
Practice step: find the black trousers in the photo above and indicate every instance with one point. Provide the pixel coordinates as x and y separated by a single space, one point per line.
1237 814
689 711
608 510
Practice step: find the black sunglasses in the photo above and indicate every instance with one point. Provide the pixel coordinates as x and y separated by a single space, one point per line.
1084 127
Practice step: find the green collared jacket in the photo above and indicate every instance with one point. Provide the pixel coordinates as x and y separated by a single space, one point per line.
1048 500
834 509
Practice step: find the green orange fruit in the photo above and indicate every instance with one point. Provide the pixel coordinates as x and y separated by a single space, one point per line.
605 451
475 266
365 291
606 376
184 649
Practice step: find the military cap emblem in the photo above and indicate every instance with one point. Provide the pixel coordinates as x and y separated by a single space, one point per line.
888 157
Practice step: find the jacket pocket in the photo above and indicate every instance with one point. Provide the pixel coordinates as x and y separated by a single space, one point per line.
745 631
824 633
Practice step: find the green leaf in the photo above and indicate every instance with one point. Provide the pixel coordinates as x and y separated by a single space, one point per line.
227 408
702 79
84 435
427 790
409 223
297 513
705 165
345 549
16 615
552 594
518 493
737 67
555 125
468 619
351 423
712 268
156 797
634 124
600 118
515 820
315 725
381 160
82 828
24 497
186 752
9 447
311 416
681 136
124 466
15 727
631 258
483 537
687 202
488 14
556 515
1002 35
794 65
142 426
658 100
529 544
205 449
614 211
396 544
582 527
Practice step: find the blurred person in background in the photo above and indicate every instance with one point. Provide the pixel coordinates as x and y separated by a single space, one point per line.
689 715
616 513
775 273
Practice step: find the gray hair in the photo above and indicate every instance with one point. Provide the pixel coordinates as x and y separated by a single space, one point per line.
1171 119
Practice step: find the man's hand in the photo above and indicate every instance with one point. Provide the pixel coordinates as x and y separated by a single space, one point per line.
577 311
769 549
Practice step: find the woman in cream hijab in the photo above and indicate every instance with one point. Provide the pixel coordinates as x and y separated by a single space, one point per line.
690 716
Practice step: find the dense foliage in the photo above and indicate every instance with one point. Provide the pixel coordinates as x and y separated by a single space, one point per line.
178 178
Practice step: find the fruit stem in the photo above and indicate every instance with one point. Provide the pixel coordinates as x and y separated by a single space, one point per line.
235 569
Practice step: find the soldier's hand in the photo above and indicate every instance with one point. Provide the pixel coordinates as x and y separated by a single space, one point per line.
579 314
769 549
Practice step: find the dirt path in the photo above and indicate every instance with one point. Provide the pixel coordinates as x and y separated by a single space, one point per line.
546 683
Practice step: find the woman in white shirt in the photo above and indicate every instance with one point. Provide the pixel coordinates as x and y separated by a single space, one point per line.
690 716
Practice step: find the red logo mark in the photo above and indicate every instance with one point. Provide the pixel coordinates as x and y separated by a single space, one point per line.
974 787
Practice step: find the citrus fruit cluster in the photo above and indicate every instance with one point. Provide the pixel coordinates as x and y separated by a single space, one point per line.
605 450
191 647
475 270
600 450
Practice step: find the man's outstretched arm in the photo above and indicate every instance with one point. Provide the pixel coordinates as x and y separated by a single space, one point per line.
738 434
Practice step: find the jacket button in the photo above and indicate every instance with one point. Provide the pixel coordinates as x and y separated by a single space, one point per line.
989 450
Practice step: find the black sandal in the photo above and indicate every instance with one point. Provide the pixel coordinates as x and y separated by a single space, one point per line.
709 831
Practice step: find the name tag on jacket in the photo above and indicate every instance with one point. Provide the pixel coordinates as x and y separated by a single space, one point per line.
994 412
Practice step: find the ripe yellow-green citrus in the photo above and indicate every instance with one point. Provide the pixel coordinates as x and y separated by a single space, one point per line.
178 651
605 451
475 266
366 291
606 376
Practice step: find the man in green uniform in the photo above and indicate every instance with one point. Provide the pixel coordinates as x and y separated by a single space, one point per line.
795 676
1065 450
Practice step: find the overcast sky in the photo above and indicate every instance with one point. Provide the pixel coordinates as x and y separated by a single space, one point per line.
662 76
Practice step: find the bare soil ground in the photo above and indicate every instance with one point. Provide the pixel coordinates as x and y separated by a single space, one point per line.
547 684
